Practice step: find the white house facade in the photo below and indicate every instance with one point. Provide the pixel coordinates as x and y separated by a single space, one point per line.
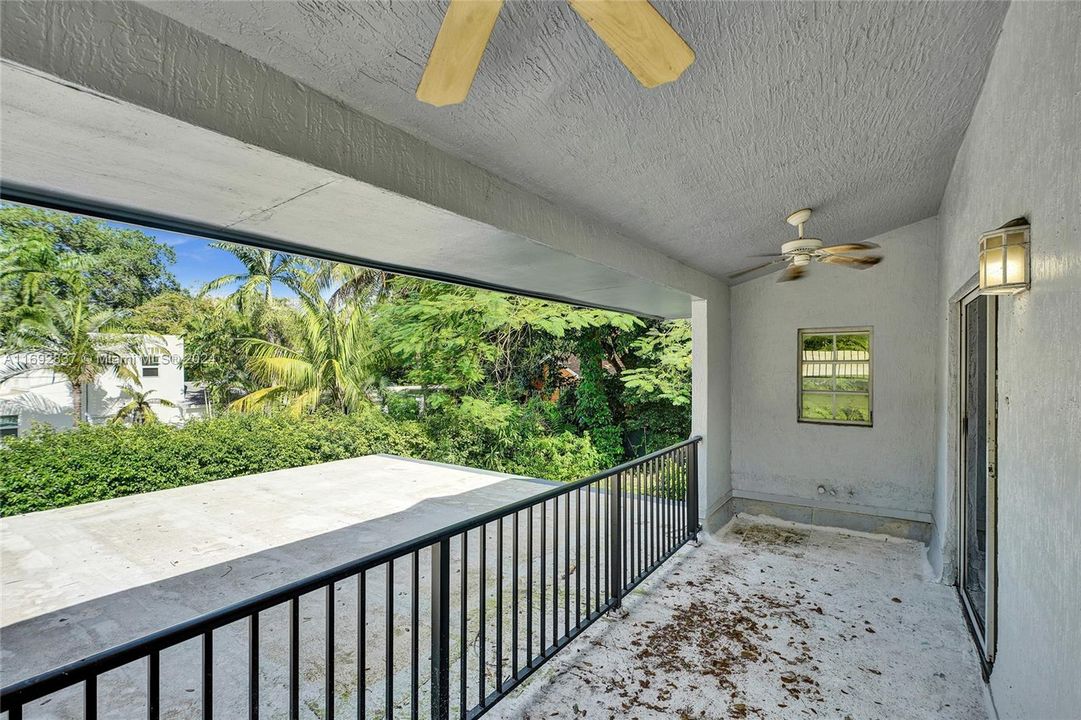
44 396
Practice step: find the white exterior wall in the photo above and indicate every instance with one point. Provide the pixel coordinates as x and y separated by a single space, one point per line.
43 396
1022 157
710 403
886 470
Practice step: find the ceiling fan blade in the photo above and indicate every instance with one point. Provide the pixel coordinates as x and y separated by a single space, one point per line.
848 247
794 272
858 263
639 37
748 271
457 51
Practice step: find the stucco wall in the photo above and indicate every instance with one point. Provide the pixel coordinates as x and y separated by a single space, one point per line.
887 468
710 403
43 396
1022 156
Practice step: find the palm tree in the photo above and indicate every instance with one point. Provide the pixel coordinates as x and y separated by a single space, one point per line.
75 340
343 283
330 361
138 408
262 268
30 267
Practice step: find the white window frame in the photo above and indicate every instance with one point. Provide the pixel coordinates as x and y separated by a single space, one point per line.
835 331
156 365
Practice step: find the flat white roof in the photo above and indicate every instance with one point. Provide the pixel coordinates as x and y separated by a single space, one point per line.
80 579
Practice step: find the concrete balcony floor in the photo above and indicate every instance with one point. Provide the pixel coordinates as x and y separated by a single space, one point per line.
770 620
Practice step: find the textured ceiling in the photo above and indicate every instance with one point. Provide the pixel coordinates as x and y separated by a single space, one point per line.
854 109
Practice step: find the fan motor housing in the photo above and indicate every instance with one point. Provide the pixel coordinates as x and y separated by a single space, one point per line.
802 246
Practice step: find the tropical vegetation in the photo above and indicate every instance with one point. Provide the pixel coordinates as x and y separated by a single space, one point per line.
305 361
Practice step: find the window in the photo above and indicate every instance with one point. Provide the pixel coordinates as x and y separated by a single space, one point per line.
835 376
9 426
150 365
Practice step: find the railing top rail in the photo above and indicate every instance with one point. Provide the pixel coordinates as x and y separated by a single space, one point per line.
51 681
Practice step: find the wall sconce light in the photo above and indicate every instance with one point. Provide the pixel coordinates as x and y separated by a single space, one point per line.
1004 259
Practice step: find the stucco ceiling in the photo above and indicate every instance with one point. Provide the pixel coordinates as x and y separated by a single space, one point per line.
854 109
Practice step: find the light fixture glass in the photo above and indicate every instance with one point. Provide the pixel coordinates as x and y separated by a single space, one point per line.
1004 259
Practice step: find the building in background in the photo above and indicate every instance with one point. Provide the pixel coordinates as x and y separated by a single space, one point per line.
44 396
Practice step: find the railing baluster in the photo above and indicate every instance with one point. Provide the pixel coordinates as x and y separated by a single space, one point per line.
294 658
615 542
514 600
329 654
529 589
624 531
153 685
362 644
567 564
656 515
482 598
208 675
440 656
463 661
253 666
589 546
598 530
414 640
686 491
90 698
692 490
543 570
555 571
578 558
499 607
388 661
639 567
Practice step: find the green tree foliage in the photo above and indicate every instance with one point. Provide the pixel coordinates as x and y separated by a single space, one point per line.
212 328
463 339
262 268
664 370
593 407
75 340
121 268
292 379
139 409
327 359
48 469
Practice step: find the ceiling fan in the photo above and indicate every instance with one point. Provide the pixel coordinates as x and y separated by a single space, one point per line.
797 254
632 29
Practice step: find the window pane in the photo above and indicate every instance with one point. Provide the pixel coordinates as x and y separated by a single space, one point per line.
817 348
817 383
856 346
817 376
853 377
817 406
853 408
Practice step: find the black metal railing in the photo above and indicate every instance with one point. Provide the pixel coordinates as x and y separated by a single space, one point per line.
530 577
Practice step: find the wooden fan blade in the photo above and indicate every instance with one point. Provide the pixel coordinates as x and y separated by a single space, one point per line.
858 263
776 261
848 247
794 272
457 51
639 37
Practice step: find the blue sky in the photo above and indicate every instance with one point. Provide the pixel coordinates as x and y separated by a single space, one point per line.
197 263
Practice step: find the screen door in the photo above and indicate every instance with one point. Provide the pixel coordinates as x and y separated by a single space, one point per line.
977 468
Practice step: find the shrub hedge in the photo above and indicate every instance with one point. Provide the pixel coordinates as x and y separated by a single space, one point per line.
50 468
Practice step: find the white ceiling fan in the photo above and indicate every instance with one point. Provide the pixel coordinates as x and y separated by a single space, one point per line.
797 254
